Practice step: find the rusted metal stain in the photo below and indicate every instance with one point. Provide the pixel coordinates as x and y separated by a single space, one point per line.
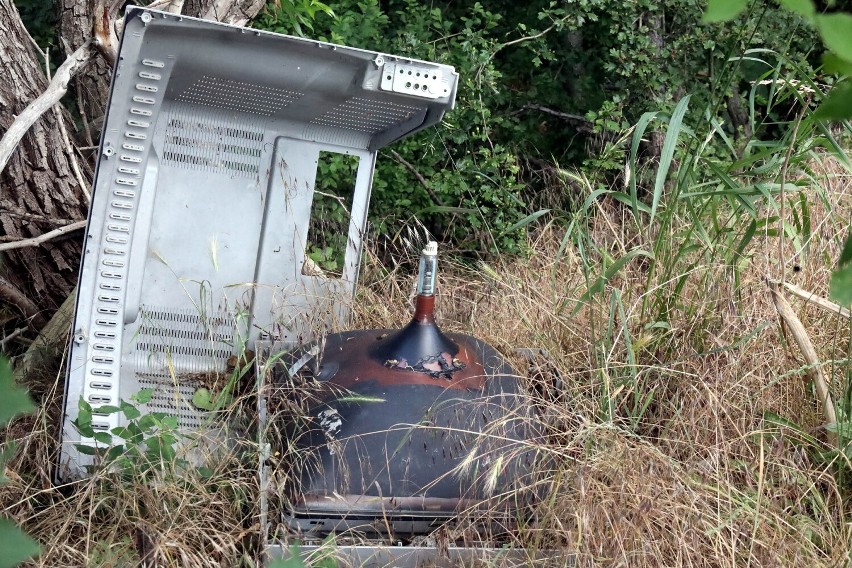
351 359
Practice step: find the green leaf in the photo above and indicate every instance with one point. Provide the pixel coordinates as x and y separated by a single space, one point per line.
833 64
838 104
723 10
144 396
15 545
14 400
638 133
802 7
106 409
104 438
527 220
359 399
86 450
836 32
672 135
614 269
122 432
115 452
170 422
130 411
846 253
840 287
203 399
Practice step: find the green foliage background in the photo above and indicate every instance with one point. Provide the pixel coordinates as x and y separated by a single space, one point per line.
601 62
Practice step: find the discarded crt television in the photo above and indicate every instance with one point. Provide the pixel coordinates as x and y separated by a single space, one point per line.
196 251
399 431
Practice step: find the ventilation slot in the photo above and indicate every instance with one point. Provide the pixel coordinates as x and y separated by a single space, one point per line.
366 115
172 399
202 142
236 95
183 340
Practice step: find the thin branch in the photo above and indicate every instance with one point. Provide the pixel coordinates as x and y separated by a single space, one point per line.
11 336
419 177
337 198
11 294
523 39
84 186
35 241
55 91
583 123
86 131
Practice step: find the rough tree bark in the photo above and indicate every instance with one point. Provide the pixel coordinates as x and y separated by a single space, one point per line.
39 190
237 12
91 88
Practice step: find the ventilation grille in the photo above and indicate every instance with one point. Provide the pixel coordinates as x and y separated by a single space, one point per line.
236 95
182 341
198 141
175 400
366 115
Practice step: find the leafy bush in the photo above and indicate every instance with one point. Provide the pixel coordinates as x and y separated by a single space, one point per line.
15 546
547 82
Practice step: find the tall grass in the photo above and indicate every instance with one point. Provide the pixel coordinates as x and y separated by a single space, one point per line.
676 436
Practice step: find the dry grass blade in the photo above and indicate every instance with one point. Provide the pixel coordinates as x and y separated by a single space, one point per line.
683 468
806 346
818 300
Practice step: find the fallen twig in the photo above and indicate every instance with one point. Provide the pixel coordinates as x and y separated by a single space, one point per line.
49 344
35 241
84 186
11 336
55 91
814 369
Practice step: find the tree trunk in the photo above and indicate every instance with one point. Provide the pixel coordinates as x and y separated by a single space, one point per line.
91 87
38 187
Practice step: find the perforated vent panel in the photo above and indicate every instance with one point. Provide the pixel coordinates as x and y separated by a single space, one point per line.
172 399
366 115
200 141
182 341
237 95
